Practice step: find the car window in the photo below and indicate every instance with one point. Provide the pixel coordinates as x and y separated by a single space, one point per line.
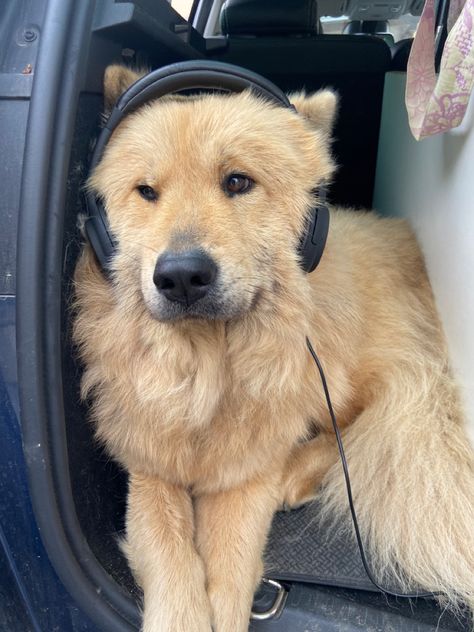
401 27
183 7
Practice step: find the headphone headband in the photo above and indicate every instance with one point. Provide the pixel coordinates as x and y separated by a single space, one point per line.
187 75
197 74
191 75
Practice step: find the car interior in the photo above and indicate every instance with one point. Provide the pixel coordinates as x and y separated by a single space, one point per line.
346 45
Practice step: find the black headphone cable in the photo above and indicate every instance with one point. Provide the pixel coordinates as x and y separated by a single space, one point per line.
349 488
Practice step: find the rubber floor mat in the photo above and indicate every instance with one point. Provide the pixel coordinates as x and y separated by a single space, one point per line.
300 549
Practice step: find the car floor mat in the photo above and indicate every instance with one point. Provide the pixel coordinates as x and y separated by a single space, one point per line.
303 548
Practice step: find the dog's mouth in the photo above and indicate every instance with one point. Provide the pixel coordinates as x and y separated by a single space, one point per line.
208 308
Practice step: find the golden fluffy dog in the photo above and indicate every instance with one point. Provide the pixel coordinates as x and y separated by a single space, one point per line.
209 402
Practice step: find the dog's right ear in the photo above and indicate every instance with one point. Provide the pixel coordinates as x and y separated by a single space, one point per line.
116 80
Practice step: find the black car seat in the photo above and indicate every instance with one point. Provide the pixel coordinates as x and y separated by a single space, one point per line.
281 40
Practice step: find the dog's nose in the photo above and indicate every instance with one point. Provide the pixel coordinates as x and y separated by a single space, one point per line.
184 277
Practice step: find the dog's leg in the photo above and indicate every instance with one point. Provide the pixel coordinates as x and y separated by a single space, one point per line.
305 469
231 529
161 552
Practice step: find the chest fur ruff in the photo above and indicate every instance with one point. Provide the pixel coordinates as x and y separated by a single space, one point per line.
203 407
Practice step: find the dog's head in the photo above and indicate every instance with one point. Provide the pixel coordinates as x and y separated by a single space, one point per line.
207 197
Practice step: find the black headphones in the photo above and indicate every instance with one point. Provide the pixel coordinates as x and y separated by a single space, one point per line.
191 75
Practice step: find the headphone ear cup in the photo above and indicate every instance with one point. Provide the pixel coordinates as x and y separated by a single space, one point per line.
313 239
98 233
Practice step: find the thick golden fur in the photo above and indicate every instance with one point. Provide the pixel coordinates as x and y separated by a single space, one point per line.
209 416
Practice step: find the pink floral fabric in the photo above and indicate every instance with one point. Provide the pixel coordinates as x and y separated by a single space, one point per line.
438 103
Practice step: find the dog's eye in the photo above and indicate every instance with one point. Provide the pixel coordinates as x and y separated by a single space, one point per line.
147 193
237 183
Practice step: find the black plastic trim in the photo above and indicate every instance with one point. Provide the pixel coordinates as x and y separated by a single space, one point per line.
441 30
200 14
58 75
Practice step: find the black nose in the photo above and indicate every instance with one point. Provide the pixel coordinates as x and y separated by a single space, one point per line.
184 277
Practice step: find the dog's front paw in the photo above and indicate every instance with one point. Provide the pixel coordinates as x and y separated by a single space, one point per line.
230 609
184 617
178 605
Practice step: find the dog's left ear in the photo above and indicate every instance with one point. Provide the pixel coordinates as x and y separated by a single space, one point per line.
320 108
117 79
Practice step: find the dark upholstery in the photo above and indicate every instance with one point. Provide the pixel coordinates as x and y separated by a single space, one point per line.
355 67
269 17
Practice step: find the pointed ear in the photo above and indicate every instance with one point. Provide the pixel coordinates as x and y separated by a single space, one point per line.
320 108
116 80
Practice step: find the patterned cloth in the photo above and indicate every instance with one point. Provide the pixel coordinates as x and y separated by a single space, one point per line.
438 103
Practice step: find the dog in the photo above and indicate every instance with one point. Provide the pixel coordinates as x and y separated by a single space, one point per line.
204 389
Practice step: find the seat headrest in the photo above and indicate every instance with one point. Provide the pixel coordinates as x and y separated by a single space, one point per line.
269 17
